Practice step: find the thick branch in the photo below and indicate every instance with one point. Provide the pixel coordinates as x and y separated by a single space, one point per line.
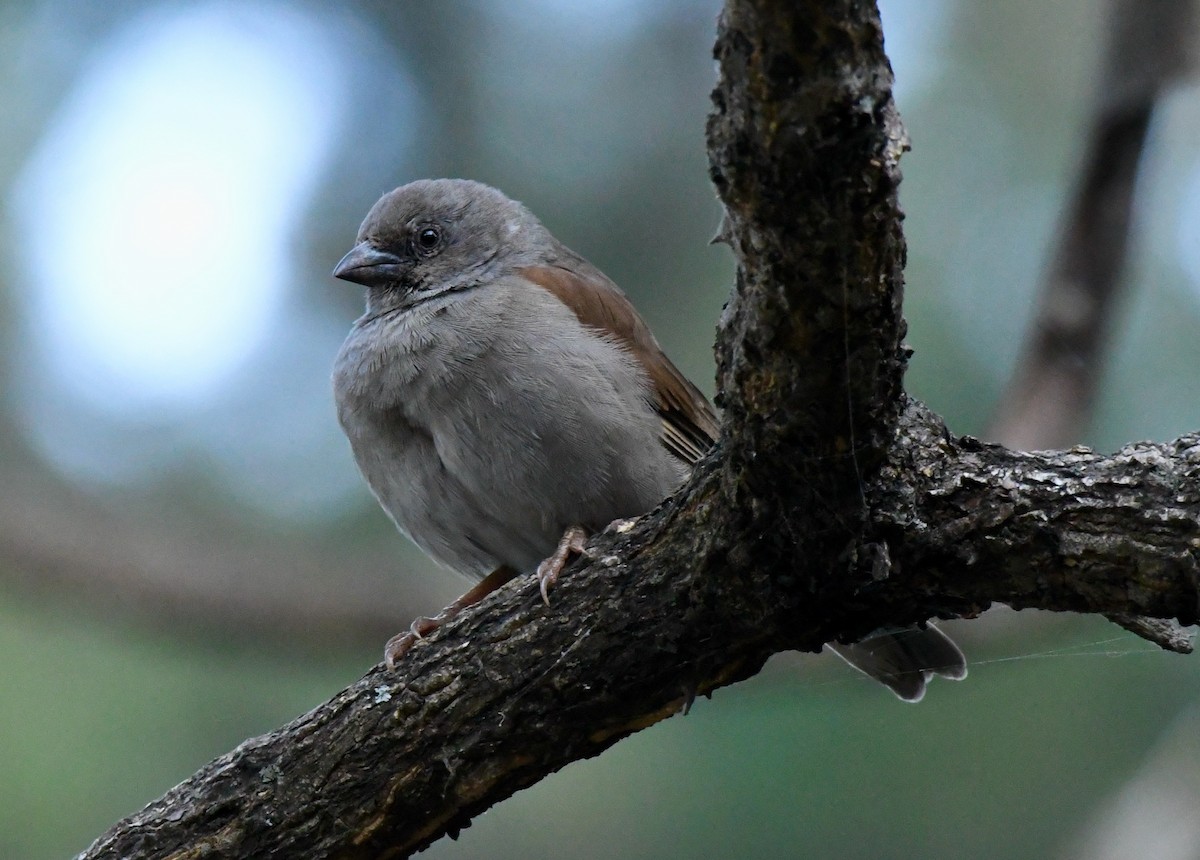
513 691
806 159
804 145
1064 530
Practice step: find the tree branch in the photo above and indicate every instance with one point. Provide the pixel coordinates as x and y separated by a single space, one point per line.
1101 534
512 691
831 506
56 539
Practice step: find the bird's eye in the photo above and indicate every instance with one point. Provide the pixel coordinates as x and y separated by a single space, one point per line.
428 238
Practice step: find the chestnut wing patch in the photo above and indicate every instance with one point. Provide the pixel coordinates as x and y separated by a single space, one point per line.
689 424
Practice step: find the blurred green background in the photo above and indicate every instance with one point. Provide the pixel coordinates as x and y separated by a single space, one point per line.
188 557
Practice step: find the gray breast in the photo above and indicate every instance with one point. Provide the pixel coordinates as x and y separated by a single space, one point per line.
488 424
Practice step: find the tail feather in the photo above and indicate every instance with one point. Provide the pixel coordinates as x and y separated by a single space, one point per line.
905 660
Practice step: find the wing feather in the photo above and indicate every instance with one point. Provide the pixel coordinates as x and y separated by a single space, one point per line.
689 424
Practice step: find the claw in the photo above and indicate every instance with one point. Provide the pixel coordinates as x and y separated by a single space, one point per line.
402 643
569 546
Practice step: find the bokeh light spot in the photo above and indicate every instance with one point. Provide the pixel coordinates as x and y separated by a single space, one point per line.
156 211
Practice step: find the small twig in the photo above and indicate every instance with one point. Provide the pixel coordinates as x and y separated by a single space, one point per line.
1163 632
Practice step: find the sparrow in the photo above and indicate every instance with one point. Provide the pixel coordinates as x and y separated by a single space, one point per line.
504 400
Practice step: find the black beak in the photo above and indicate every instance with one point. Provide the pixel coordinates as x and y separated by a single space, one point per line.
369 266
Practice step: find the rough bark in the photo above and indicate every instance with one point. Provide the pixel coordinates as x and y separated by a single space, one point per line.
832 505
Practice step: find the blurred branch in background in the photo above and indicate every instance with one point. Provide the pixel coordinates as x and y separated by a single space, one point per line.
1154 814
66 544
1049 399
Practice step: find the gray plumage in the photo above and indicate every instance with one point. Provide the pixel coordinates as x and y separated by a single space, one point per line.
501 390
484 417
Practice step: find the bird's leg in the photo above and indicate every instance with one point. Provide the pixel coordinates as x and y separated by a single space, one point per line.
570 545
401 643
